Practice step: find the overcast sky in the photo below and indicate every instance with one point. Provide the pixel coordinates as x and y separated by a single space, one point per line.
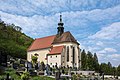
94 23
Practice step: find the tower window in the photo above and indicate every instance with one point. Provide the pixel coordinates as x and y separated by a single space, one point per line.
56 56
50 56
67 53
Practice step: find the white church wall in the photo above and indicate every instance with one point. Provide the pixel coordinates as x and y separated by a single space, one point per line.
54 59
42 55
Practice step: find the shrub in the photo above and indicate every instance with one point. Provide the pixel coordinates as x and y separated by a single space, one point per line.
34 59
25 76
21 65
74 76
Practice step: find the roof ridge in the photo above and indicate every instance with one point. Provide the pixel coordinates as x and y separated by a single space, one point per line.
45 37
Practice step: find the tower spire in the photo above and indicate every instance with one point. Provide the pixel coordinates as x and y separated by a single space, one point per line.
60 18
60 26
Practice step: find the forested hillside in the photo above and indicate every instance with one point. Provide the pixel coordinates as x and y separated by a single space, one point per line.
12 41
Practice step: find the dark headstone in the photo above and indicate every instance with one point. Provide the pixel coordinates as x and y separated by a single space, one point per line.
63 71
15 65
56 66
47 69
36 66
33 73
103 76
22 61
57 75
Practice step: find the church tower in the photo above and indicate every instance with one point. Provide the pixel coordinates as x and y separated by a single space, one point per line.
60 26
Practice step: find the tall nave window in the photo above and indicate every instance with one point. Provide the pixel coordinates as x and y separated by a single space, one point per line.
67 53
73 53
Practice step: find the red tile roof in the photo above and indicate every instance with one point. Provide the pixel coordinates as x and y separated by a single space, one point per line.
56 50
41 43
46 42
65 37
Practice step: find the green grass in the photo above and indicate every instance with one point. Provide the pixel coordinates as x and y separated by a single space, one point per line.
13 74
42 78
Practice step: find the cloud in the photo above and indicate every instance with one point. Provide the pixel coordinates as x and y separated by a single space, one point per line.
34 26
99 43
84 22
114 56
110 32
43 7
107 50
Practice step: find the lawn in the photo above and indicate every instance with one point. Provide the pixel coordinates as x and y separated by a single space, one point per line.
13 74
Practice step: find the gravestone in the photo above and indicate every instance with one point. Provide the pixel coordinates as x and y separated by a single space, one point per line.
22 61
33 73
15 65
45 73
36 66
56 66
102 76
28 65
57 75
47 68
69 72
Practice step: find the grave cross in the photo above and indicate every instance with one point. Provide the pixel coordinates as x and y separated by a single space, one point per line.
27 67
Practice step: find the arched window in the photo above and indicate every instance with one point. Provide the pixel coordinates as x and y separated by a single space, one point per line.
73 53
36 54
67 53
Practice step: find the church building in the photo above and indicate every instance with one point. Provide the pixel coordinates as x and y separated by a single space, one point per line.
61 49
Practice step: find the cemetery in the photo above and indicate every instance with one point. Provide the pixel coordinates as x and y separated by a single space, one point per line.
20 69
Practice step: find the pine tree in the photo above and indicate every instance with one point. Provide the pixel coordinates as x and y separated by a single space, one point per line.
118 70
109 70
83 60
103 68
95 63
114 71
90 61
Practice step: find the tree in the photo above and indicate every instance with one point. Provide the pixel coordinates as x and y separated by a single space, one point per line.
118 70
109 68
95 63
90 61
12 41
83 60
103 68
114 71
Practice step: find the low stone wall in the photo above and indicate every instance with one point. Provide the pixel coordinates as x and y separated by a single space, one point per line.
83 72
